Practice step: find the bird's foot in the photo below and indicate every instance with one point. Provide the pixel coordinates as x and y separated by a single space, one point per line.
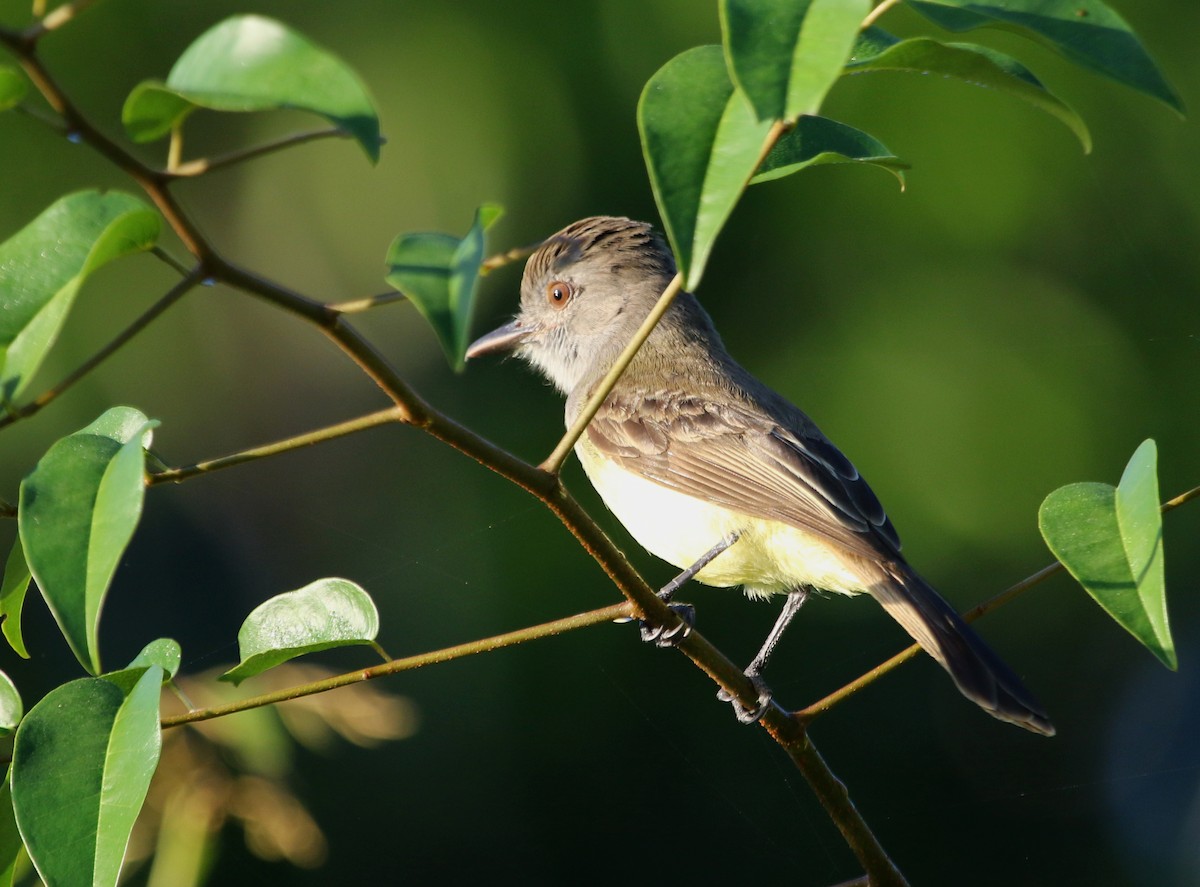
661 636
749 715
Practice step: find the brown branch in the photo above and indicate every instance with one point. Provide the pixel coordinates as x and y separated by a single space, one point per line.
486 645
1007 596
200 166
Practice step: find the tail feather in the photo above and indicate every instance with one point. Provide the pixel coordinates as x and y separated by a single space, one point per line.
979 673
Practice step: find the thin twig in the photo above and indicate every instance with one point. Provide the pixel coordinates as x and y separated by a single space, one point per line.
147 317
555 460
204 165
491 263
330 432
162 255
509 639
46 120
355 306
874 14
1008 595
62 15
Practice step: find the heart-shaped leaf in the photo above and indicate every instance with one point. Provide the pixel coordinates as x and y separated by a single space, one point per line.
1110 540
43 265
254 63
1088 32
77 513
12 597
324 614
817 140
82 763
978 65
439 273
13 87
701 141
786 54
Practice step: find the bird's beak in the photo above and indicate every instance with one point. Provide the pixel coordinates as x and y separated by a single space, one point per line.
505 338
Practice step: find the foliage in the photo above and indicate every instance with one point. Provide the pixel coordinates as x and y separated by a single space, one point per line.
712 120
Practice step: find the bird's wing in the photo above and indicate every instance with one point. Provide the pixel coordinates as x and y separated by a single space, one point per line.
747 461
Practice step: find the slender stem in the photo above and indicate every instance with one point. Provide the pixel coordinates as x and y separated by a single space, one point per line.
330 432
63 14
204 165
166 258
46 120
355 306
486 645
836 801
175 148
499 260
147 317
1008 595
555 460
874 15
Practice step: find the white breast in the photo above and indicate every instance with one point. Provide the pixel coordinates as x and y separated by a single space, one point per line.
769 556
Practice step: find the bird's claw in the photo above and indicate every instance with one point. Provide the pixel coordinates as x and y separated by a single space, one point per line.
661 636
749 715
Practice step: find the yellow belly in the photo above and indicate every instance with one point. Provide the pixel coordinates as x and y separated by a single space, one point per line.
769 556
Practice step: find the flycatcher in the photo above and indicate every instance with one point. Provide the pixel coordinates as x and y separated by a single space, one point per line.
695 456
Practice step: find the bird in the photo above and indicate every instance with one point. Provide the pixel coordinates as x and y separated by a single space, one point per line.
710 469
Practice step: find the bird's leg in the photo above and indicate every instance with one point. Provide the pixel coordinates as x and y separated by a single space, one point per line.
791 607
686 612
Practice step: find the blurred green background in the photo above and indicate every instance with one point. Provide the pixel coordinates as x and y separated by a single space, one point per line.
1020 318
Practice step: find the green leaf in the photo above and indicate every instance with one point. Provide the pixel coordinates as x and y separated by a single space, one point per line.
701 142
976 65
77 512
13 87
1110 540
817 140
438 273
43 265
11 708
10 837
253 63
785 55
81 766
324 614
164 652
12 597
1087 32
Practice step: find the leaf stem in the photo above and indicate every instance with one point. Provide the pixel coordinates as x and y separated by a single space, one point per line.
515 254
555 460
147 317
875 14
1008 595
329 432
355 306
204 165
485 645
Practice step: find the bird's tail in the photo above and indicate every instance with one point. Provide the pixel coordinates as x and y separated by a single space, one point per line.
979 673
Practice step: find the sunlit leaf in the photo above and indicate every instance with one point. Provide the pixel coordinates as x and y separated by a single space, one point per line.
43 265
11 707
324 614
253 63
786 54
13 87
77 513
1110 540
439 273
163 653
81 766
701 141
1088 32
12 597
976 65
818 140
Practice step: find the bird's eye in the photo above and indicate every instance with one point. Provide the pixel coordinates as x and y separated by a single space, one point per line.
558 294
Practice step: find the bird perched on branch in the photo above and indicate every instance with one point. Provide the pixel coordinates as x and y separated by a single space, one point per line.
709 468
